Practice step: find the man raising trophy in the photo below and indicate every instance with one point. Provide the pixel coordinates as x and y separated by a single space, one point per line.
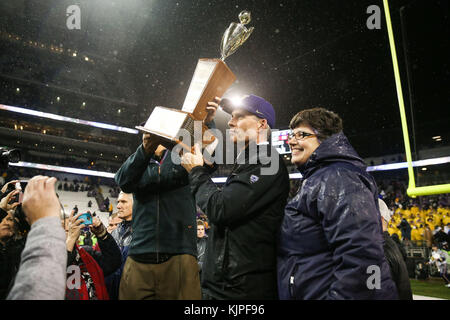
162 261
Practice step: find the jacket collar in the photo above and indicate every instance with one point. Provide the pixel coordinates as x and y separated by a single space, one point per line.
251 153
336 148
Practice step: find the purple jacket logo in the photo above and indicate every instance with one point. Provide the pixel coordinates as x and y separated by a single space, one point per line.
253 178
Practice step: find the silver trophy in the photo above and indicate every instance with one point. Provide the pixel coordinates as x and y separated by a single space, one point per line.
235 35
211 79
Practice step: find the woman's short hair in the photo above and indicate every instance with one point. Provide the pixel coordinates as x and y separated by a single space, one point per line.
200 223
325 122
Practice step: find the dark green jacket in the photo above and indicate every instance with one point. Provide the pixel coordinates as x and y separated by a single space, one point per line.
164 212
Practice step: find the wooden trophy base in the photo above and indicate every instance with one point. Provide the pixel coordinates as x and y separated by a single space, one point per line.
211 79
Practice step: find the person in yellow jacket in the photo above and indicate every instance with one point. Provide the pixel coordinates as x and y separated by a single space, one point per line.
421 229
446 219
437 218
423 215
416 237
415 210
81 240
442 210
392 229
407 214
430 223
94 240
418 222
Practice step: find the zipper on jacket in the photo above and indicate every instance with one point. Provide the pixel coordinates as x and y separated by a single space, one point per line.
292 283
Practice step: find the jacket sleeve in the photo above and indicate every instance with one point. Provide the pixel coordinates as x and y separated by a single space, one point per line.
137 175
245 195
130 173
352 227
42 272
110 257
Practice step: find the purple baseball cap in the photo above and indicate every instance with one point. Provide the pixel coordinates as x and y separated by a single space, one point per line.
253 104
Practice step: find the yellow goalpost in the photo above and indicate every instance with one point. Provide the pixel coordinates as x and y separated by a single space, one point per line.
412 190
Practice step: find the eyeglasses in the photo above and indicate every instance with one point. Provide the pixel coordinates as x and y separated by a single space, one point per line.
299 135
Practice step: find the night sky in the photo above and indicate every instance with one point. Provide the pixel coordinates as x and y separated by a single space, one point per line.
302 54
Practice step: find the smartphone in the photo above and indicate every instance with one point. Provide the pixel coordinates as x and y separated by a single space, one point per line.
87 217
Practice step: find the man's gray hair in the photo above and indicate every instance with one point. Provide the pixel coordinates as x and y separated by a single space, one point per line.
127 194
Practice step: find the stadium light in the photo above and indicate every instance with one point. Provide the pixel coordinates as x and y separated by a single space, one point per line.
63 169
67 119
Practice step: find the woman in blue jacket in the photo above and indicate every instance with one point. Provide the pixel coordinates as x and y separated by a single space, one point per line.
331 243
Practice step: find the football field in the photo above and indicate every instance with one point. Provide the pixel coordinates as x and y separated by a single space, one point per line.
433 287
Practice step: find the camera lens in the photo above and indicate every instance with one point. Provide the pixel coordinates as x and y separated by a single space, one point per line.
14 155
9 156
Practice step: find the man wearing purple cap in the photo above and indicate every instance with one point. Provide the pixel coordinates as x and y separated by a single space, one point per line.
246 213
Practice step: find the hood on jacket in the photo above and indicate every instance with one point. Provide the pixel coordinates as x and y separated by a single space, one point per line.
335 148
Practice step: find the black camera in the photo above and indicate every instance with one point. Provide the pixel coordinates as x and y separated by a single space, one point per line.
21 223
21 185
7 156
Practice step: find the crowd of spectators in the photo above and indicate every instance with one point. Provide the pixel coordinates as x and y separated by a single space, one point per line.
423 222
75 186
418 221
421 226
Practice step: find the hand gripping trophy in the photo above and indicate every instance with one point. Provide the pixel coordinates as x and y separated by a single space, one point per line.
211 79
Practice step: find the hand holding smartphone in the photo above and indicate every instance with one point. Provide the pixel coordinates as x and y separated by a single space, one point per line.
87 217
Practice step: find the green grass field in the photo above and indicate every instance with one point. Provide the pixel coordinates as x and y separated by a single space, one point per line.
433 287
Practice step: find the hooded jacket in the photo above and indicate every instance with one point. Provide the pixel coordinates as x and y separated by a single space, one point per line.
331 242
245 216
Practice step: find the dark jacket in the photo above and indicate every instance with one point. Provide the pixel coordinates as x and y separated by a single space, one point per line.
331 234
164 212
244 216
10 255
400 247
397 265
109 258
441 236
123 236
405 228
201 249
97 264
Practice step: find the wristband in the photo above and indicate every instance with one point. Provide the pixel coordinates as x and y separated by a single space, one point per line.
102 236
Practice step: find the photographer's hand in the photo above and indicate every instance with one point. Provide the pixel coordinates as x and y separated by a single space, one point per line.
98 228
5 187
5 205
74 230
39 199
